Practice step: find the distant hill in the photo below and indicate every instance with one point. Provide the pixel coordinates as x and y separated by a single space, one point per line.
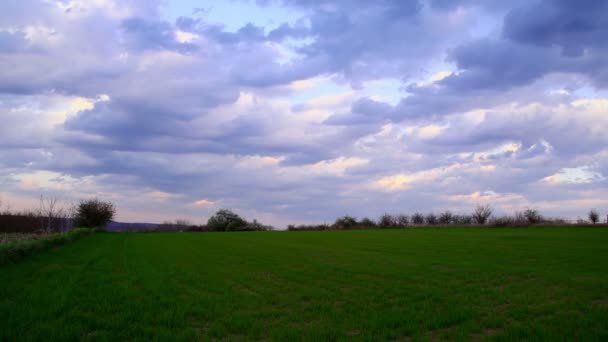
123 226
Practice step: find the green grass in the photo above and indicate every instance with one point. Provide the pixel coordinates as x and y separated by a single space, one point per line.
22 245
504 284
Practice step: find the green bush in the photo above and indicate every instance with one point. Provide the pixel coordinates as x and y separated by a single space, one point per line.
94 213
225 220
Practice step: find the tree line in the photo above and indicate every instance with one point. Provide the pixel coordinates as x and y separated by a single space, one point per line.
482 215
51 216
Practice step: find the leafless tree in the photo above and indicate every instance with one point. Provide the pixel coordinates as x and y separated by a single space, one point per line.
55 216
594 216
431 219
48 212
403 220
7 208
387 220
418 218
533 216
482 213
446 217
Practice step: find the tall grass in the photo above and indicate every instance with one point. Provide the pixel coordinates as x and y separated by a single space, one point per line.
14 251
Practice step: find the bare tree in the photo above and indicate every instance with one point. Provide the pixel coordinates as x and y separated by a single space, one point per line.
387 220
533 216
418 218
446 217
594 216
431 219
482 213
6 210
403 220
49 213
67 216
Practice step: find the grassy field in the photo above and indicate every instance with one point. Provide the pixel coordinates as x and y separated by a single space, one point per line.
505 284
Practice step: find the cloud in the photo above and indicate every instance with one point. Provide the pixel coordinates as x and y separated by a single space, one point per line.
203 203
348 107
576 175
573 27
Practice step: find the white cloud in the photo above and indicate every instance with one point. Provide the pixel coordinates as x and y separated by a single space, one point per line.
577 175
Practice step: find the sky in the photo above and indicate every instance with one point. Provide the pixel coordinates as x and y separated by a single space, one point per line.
301 111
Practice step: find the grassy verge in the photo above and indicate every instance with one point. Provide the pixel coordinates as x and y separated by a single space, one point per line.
14 251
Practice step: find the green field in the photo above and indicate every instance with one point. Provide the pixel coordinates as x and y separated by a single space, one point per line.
425 284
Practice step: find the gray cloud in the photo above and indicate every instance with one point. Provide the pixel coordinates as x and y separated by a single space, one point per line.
210 116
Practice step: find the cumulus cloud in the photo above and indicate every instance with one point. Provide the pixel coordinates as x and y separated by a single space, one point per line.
502 102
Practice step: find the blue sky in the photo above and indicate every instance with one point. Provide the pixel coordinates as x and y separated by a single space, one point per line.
298 111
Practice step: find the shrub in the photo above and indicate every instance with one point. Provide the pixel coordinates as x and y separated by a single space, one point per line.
345 222
482 213
418 218
367 222
14 251
177 225
520 218
532 216
446 217
503 221
94 213
255 225
594 216
308 228
225 220
387 220
462 219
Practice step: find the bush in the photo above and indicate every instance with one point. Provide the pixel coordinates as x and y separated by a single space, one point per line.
14 251
462 219
520 218
292 227
367 222
345 222
225 220
504 221
94 213
418 218
482 213
256 226
594 216
176 226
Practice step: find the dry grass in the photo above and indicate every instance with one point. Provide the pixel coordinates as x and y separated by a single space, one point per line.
14 237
